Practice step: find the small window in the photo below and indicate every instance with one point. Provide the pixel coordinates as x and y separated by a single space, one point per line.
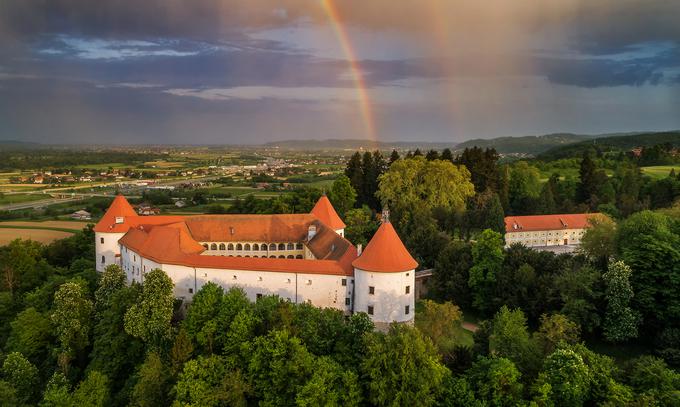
299 256
213 246
101 240
234 277
407 274
258 296
205 274
191 291
205 245
408 289
256 247
272 247
239 246
309 282
223 246
290 256
290 246
103 259
246 247
134 257
298 246
259 278
370 310
282 256
344 282
230 246
282 246
371 290
346 300
407 309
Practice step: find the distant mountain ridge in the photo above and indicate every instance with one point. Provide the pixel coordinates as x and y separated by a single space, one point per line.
354 144
612 143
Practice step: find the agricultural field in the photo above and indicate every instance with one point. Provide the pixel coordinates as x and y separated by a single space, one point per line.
47 225
7 199
660 171
39 235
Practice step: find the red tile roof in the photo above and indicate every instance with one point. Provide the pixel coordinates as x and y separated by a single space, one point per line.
326 213
120 208
548 222
385 253
244 228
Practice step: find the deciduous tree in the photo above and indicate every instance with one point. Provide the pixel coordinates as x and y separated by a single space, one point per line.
149 319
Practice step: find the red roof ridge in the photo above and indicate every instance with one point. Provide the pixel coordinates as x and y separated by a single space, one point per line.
119 209
326 213
549 222
385 253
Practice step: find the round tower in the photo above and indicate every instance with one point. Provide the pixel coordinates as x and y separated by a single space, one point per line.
384 278
109 230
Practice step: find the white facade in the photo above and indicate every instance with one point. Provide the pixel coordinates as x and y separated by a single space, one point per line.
385 297
106 248
541 238
321 290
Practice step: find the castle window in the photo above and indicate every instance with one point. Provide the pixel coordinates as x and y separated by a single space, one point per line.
272 257
230 246
290 246
346 300
246 247
344 282
256 247
234 277
259 278
272 247
282 257
407 309
223 246
213 246
298 246
103 259
290 256
239 246
408 289
370 310
205 245
191 291
309 282
282 246
258 295
101 240
299 256
371 290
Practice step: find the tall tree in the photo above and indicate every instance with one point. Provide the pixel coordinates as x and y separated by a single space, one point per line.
355 173
497 380
330 385
447 155
487 255
568 377
432 155
71 316
22 376
342 195
524 187
361 225
149 319
620 321
394 156
151 388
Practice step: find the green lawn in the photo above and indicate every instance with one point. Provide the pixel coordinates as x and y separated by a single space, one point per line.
660 171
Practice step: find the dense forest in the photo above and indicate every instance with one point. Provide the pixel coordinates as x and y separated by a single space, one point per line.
597 327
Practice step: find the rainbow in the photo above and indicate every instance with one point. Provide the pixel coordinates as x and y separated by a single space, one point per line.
354 67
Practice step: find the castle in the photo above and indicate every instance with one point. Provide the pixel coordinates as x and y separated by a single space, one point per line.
299 257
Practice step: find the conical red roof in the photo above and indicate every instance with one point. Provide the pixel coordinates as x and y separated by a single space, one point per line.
326 213
120 207
385 253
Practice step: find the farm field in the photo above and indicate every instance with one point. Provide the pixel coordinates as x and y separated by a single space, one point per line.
660 171
48 224
38 235
21 198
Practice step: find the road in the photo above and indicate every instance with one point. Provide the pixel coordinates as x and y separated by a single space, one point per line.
37 204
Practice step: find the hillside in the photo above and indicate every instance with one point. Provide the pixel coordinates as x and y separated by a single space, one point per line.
529 145
354 144
611 144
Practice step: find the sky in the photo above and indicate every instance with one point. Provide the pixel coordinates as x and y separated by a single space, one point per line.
254 71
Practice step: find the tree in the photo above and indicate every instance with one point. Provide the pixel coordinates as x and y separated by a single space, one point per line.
93 391
485 212
487 255
447 155
200 322
394 156
330 385
279 366
650 245
181 350
496 380
620 321
440 323
57 393
151 388
430 184
355 173
482 167
30 335
580 293
342 195
361 225
599 240
452 272
510 339
209 381
22 376
432 155
555 329
402 368
567 376
71 316
112 280
149 319
651 376
524 187
587 188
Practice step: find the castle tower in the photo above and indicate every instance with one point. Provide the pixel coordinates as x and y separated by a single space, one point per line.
326 213
384 276
109 230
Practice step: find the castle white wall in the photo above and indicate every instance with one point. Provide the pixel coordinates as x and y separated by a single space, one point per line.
106 247
390 298
545 237
325 291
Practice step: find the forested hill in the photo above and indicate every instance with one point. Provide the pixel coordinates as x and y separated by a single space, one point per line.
354 144
612 144
529 145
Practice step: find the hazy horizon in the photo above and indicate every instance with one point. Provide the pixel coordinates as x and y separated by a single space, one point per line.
247 72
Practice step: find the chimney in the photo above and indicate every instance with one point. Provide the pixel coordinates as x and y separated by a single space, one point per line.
360 247
311 232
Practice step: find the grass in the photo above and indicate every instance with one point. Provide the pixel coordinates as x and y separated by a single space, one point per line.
37 228
660 171
21 198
